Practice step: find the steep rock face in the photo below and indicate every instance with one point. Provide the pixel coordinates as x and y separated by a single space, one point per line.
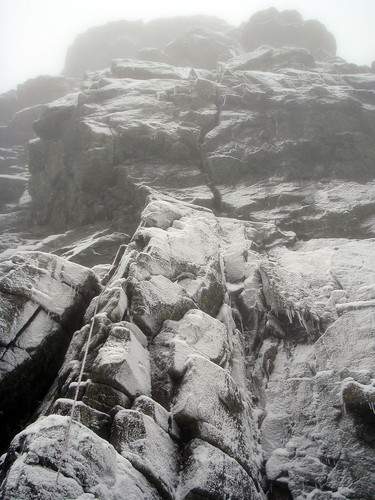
229 351
184 279
240 127
42 299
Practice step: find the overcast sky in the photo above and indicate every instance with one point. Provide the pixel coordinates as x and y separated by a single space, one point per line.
34 34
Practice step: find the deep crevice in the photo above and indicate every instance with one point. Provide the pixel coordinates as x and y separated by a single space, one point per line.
20 395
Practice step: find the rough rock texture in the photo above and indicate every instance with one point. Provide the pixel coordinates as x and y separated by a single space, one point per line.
42 297
220 185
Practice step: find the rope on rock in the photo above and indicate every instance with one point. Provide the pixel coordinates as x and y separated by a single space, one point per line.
71 416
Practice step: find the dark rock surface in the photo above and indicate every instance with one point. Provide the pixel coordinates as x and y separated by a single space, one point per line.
218 185
42 298
20 108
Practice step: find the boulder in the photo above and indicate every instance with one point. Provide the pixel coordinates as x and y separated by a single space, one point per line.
20 128
195 334
97 421
139 439
54 117
155 300
200 48
90 465
113 301
159 414
202 474
43 89
103 397
265 58
139 70
122 363
215 411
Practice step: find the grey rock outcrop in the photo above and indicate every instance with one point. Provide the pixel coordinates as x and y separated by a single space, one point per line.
276 28
96 48
224 130
21 107
42 298
226 350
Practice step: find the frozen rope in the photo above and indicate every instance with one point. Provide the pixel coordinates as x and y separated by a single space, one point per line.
71 416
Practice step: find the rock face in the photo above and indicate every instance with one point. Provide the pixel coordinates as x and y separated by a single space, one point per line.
220 185
42 297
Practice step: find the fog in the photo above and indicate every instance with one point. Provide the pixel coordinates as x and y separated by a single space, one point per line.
34 34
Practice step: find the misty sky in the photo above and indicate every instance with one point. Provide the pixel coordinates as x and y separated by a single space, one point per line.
34 34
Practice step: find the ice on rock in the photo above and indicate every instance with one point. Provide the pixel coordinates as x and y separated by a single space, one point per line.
339 348
231 354
154 258
214 411
14 316
195 333
161 214
193 242
159 414
95 420
40 478
150 449
104 398
202 473
155 300
123 363
277 464
48 281
113 301
90 465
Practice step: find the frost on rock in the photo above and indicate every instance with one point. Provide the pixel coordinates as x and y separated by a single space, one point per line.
42 297
195 334
91 465
113 301
215 411
155 300
208 472
122 363
148 447
231 340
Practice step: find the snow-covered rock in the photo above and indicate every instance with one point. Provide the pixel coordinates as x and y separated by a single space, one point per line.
221 183
122 363
138 438
207 471
42 298
90 466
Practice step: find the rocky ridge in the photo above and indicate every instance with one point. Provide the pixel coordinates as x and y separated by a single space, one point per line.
207 218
